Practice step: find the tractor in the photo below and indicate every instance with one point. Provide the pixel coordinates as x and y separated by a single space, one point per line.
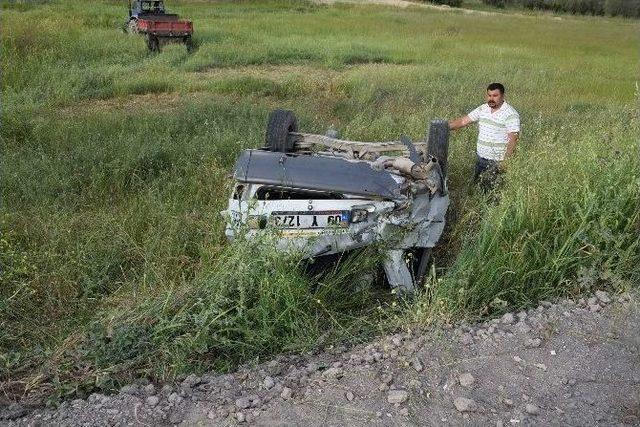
149 17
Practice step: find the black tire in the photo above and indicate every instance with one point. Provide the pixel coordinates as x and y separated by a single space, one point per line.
188 42
153 44
280 124
438 142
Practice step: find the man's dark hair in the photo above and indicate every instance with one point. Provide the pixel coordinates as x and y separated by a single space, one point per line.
494 86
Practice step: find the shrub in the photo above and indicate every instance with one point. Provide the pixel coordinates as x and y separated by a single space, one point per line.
627 8
452 3
253 302
532 243
497 3
580 7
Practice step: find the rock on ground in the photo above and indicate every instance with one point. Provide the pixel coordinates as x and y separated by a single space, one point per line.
466 379
464 404
397 396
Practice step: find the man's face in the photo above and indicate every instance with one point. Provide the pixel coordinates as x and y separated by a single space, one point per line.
494 98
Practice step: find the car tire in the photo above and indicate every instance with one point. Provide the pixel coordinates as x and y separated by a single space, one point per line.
280 124
438 142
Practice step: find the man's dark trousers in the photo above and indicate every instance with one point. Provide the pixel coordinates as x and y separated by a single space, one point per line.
486 173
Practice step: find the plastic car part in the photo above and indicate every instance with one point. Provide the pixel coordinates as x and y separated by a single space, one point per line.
398 273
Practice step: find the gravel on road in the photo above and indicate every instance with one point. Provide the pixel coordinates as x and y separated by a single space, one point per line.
565 363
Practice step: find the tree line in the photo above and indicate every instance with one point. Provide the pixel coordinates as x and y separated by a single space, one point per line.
624 8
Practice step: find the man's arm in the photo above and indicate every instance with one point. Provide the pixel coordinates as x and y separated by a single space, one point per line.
513 133
460 122
512 140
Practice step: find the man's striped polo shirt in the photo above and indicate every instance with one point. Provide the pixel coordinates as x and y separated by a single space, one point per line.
493 129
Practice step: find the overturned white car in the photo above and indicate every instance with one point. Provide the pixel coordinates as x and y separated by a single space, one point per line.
324 195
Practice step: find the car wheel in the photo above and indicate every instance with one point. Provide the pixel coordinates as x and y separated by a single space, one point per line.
280 124
438 142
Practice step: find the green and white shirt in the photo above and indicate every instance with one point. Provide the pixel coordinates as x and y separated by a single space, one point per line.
493 129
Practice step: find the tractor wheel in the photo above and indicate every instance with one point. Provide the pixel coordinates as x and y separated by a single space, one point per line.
132 26
438 142
153 44
188 42
281 123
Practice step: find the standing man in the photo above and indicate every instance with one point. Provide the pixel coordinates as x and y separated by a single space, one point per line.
497 134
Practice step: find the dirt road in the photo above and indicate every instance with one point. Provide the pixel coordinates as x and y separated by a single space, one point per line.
570 363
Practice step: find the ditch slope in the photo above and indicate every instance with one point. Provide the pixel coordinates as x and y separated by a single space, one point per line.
568 363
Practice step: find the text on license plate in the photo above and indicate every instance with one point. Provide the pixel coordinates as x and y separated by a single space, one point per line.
315 219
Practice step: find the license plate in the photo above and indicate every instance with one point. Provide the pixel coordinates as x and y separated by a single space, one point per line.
311 220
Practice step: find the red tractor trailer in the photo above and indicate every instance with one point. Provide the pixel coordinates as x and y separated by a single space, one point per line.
149 17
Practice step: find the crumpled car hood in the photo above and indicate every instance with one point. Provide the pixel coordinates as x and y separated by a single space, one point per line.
316 173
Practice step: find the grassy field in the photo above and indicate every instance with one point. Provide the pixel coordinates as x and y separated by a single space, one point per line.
115 168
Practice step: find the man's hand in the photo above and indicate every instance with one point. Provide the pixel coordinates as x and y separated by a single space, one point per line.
460 122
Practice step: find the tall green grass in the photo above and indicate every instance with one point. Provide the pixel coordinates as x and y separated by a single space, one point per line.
115 168
248 302
569 207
